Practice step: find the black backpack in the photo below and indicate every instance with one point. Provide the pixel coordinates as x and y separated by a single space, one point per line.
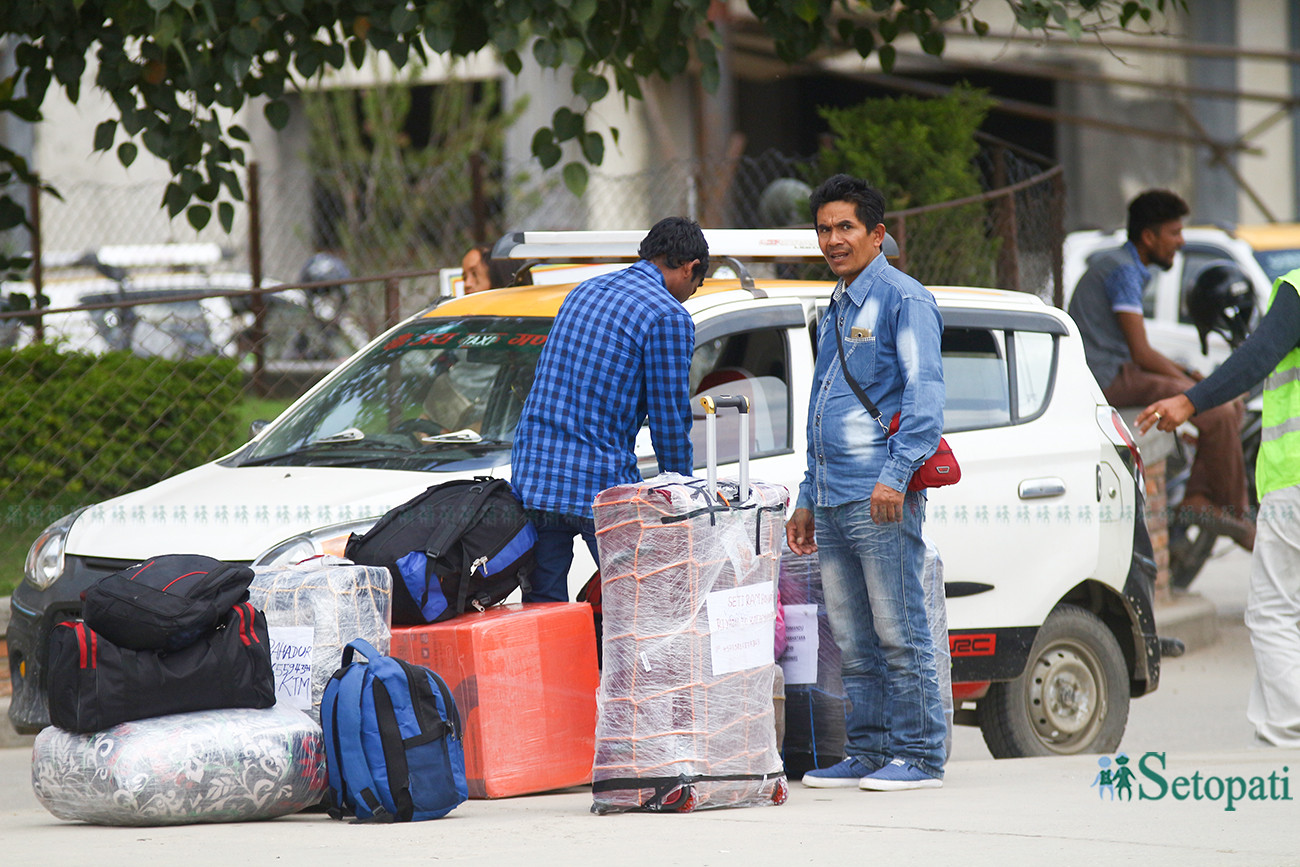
165 603
459 545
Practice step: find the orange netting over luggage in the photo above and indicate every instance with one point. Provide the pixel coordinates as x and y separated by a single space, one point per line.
685 713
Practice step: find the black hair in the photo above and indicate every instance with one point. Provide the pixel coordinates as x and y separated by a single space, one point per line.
868 202
1152 209
503 272
678 240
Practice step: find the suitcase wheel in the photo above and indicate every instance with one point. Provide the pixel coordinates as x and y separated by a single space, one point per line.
680 800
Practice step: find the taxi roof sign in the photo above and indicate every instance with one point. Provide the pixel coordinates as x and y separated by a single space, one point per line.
623 244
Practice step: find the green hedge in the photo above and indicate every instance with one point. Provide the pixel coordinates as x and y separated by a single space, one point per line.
95 426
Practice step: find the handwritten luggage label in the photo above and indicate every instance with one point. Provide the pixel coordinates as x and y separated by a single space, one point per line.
291 653
741 625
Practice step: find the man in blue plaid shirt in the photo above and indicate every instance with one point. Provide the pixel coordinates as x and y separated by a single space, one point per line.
619 353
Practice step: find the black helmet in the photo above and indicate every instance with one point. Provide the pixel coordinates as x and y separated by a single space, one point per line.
1221 300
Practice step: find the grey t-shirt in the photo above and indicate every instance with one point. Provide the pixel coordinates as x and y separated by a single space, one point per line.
1113 283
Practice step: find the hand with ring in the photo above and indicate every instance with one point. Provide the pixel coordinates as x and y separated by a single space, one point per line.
1166 414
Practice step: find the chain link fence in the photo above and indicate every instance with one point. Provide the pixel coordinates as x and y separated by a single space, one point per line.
152 353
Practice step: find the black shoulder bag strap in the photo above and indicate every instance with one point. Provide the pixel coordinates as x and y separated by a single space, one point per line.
853 383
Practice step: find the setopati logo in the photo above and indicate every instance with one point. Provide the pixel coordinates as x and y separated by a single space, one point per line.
1152 780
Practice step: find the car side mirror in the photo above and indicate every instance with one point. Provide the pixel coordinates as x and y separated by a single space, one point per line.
256 427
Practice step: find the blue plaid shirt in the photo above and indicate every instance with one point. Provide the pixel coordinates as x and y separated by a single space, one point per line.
892 329
620 351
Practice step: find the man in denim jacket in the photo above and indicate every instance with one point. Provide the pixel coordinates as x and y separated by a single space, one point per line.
854 506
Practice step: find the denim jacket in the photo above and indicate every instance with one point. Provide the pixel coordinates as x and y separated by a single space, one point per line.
892 328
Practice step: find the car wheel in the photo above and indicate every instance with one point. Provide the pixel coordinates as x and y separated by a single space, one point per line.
1072 697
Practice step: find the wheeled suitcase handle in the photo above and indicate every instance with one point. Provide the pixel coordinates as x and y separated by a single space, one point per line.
711 405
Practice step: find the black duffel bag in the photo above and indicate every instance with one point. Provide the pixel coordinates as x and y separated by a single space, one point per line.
94 684
164 603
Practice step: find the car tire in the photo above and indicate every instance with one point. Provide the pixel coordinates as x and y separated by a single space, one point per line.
1072 697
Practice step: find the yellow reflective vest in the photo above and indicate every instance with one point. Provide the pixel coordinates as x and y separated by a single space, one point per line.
1279 448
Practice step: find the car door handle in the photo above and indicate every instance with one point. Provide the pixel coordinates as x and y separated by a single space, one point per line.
1037 489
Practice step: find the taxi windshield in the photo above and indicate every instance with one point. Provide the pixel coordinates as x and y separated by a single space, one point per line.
435 388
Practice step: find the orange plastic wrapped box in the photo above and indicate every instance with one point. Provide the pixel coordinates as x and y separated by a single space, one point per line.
525 678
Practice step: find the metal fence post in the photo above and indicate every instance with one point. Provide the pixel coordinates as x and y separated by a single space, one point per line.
900 237
478 201
38 273
1004 209
392 302
256 302
1058 239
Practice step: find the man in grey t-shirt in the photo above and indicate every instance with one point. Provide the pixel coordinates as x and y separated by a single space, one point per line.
1107 306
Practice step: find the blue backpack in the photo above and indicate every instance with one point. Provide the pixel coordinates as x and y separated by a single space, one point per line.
392 740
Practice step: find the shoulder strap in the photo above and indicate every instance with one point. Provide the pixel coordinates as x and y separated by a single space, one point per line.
336 796
361 788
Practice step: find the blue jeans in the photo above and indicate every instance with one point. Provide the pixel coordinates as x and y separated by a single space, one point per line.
554 553
875 600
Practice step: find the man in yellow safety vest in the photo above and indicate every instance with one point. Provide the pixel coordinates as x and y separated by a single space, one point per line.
1273 604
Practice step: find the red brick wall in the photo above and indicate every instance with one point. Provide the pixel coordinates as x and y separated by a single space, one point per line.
1157 512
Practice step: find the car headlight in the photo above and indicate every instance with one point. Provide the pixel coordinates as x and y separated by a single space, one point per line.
323 540
45 558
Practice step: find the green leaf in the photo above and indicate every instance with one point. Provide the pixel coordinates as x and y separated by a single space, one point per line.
198 215
887 55
573 50
575 178
12 214
277 114
237 132
888 29
513 64
546 53
593 148
932 43
126 153
864 41
592 88
226 214
545 149
244 40
567 123
104 134
582 11
807 10
175 199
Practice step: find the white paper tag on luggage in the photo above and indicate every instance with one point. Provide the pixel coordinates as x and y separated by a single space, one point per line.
291 654
799 659
742 621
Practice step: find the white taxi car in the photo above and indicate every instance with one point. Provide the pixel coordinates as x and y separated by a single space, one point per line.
1046 559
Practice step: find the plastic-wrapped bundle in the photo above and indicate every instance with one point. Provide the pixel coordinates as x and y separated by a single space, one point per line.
339 600
814 697
685 715
208 766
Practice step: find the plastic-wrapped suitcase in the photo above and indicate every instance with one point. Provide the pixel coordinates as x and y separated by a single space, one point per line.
207 766
685 716
340 601
814 694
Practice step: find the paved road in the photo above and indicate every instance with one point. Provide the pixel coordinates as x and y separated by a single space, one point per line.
989 812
